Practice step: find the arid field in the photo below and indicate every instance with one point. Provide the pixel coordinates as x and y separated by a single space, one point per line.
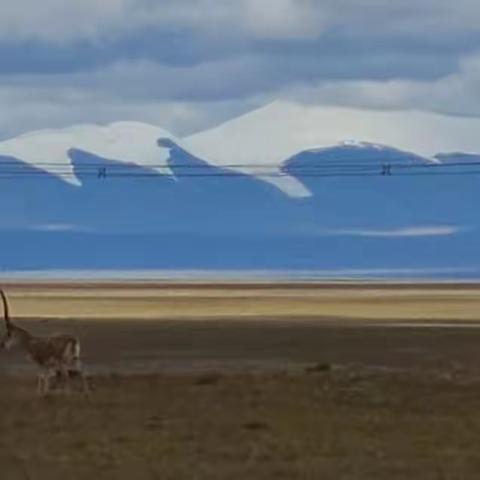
249 381
151 300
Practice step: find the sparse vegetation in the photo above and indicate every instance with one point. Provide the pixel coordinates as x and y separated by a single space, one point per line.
257 397
384 425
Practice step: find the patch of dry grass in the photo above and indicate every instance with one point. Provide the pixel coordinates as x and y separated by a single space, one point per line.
246 301
338 424
299 416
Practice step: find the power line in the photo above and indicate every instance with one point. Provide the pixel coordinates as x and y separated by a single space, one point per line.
14 170
200 176
324 164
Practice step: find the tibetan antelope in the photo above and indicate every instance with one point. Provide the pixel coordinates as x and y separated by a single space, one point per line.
58 356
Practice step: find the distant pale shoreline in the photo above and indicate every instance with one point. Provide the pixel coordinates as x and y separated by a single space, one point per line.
384 275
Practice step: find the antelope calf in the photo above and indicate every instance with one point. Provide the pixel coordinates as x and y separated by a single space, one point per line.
56 355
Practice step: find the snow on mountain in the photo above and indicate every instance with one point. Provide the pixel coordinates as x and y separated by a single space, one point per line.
356 156
149 220
259 142
372 151
281 129
130 142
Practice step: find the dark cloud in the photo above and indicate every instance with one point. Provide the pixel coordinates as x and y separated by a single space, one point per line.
342 52
204 51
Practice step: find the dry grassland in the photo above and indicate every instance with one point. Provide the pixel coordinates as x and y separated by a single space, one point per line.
249 382
160 301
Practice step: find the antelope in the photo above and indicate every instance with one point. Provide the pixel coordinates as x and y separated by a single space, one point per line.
58 356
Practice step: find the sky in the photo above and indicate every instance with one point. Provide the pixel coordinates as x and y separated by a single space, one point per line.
187 65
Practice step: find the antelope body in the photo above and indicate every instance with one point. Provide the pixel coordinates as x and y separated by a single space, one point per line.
56 355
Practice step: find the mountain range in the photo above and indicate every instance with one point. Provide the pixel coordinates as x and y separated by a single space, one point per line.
281 188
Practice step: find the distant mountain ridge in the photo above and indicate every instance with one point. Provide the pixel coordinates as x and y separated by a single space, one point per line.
130 195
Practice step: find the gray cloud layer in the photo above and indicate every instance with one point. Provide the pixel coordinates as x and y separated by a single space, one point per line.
187 64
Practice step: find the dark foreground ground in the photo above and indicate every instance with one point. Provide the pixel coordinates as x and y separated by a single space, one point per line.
251 399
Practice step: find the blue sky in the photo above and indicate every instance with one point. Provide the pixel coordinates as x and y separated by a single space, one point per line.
189 64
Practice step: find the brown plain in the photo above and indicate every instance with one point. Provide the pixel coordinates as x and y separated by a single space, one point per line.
149 300
204 381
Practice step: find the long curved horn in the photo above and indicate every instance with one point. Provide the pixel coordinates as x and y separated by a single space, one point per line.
6 310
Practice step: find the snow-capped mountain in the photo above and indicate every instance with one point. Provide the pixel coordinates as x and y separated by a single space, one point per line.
130 142
369 185
130 195
282 187
356 156
280 130
267 136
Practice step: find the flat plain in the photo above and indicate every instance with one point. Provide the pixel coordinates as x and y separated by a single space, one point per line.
214 381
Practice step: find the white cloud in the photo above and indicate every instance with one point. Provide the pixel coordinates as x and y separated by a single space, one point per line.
422 231
454 94
142 79
58 227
